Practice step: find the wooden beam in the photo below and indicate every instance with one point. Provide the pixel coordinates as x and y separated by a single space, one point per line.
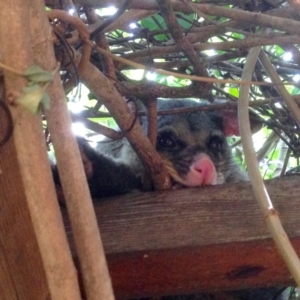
195 240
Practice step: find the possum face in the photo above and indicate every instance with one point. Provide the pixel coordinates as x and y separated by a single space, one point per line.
194 147
195 164
195 155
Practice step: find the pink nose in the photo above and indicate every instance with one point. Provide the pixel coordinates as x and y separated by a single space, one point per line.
202 172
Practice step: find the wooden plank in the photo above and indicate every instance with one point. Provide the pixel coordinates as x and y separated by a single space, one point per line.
197 270
193 240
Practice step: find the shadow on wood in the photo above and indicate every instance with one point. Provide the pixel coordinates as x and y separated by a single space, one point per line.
195 240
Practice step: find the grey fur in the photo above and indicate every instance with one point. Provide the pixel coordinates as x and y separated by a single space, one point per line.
192 132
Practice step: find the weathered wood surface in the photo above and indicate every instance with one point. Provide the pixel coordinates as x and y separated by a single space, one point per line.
22 273
194 240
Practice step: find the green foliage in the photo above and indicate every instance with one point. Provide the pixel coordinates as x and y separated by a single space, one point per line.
183 23
228 64
173 81
295 91
157 24
34 93
234 91
37 75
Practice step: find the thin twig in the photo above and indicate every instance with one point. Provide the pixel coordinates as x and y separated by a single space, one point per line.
270 214
293 107
152 121
192 77
108 132
88 242
180 39
103 89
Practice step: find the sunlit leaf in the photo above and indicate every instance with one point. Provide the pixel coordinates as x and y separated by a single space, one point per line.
234 92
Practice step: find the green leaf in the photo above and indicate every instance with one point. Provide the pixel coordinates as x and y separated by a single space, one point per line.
150 24
33 69
295 91
234 92
278 50
42 77
91 96
183 23
30 88
46 101
35 74
31 98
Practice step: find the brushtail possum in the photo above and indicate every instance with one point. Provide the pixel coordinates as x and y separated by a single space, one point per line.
196 152
193 146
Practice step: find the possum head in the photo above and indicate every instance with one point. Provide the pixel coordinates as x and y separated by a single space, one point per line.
194 146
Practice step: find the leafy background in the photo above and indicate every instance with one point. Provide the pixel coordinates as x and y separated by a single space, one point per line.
140 32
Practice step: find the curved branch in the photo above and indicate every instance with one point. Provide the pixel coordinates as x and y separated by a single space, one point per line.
246 43
294 109
101 41
84 35
102 88
179 38
109 21
270 215
260 19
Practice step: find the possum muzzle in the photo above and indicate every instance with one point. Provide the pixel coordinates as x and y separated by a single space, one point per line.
201 172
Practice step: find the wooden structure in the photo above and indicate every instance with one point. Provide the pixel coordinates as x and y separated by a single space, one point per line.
158 243
174 242
22 274
192 240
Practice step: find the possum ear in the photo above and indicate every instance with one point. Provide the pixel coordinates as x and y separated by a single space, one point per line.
231 124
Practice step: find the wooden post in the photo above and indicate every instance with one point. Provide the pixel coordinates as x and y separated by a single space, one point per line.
28 199
22 274
96 279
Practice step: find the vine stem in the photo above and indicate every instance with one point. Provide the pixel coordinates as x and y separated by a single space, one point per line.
287 98
270 214
178 75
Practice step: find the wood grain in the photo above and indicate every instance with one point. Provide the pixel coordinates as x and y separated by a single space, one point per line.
195 240
21 270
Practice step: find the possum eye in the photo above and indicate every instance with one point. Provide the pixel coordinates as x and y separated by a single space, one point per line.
215 143
166 141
